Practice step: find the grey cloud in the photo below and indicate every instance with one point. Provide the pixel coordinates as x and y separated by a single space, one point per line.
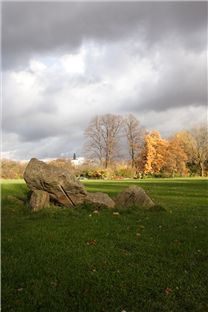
49 121
60 146
35 28
177 119
33 128
182 84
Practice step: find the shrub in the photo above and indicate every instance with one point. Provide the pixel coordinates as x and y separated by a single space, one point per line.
11 169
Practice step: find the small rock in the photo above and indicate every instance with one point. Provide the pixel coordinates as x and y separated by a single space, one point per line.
133 196
100 199
38 200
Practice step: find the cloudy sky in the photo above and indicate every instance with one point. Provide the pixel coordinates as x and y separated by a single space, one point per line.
63 63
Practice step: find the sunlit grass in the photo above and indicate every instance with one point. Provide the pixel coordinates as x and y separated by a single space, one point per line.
63 259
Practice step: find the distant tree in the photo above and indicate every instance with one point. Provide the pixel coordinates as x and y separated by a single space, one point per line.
188 143
62 163
94 142
175 158
195 145
74 156
102 137
135 136
200 136
11 169
152 157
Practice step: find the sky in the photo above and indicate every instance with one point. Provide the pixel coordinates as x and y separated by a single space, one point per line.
65 62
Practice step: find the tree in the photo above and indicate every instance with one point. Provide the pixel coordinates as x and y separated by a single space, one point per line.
199 134
11 169
175 158
135 136
195 144
62 163
94 146
102 136
152 157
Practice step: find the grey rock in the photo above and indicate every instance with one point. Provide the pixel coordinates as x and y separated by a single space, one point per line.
38 200
62 186
133 196
100 199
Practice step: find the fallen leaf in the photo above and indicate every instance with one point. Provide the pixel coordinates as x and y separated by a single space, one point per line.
91 242
168 291
54 284
116 213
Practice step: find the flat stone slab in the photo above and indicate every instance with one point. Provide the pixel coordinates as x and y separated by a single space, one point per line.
101 199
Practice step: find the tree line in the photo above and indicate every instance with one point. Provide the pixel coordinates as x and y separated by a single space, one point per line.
185 153
120 147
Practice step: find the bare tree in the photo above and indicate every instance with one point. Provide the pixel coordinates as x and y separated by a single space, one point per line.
102 137
110 125
94 144
135 136
195 144
200 135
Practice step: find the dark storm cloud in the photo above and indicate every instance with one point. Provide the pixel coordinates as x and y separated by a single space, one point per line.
34 28
146 58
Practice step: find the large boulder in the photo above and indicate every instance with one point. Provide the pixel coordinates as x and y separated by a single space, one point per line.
133 196
62 186
100 199
38 200
50 183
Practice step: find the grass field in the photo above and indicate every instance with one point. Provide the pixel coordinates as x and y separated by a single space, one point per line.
135 261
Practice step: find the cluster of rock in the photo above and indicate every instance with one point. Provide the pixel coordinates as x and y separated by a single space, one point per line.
49 183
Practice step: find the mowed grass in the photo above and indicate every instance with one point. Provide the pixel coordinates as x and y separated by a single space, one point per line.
75 260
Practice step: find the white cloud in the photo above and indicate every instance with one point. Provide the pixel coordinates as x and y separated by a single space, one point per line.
74 63
37 66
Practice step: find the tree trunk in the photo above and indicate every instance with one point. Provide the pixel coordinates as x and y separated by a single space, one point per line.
201 169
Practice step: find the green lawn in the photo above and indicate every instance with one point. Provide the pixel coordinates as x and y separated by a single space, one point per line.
75 260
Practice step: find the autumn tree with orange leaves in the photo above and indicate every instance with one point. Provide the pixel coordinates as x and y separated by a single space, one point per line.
195 145
152 157
160 156
175 158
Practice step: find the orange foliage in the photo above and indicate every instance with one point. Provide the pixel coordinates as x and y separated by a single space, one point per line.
152 157
176 158
162 156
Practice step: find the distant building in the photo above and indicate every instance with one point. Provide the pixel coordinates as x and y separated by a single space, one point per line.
78 161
